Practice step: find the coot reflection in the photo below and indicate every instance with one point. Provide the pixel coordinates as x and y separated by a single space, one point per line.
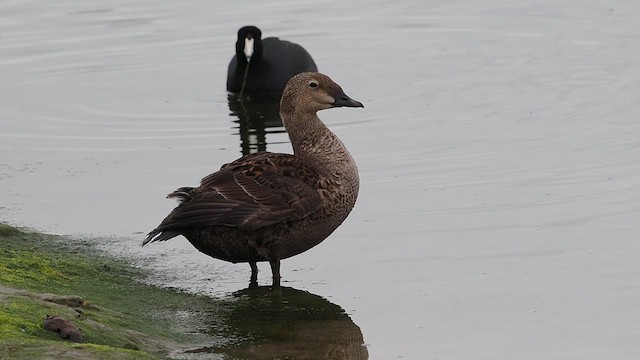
257 116
287 324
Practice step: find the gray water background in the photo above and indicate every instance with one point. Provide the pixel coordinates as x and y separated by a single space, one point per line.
499 152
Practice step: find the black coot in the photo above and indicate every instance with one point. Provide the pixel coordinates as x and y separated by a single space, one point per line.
265 65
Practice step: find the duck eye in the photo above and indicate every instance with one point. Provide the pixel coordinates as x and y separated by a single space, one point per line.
313 84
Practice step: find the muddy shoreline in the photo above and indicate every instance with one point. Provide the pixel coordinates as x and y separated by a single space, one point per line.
121 316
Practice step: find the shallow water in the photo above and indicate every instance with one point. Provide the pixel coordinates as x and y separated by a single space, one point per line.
499 152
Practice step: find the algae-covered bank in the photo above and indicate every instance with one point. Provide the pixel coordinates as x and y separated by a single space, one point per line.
118 315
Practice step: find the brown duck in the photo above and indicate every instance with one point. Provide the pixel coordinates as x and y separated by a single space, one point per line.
271 206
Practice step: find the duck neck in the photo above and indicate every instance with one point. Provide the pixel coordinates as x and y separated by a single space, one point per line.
315 143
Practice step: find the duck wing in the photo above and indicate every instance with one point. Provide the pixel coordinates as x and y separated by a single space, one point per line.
252 192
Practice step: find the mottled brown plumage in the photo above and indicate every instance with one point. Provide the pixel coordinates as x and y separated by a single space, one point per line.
270 206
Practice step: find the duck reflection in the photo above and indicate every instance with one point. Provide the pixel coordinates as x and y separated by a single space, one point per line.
255 113
287 324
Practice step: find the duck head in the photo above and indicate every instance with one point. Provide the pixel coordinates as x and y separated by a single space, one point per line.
311 92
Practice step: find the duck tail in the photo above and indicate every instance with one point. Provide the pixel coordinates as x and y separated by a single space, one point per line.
159 235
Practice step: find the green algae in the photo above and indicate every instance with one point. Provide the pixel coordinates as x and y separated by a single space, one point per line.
122 318
30 349
119 317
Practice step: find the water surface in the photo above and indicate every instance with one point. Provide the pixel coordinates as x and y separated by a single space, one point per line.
499 152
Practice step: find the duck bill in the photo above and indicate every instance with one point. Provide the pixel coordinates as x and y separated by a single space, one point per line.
345 101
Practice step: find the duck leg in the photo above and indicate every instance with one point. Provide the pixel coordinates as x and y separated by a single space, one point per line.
275 271
253 282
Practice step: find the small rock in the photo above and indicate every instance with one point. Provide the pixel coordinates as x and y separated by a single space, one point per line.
64 327
70 301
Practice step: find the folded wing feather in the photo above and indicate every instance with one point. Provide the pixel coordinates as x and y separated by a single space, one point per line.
254 191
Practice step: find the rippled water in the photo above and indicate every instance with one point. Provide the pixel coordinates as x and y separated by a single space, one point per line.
499 152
